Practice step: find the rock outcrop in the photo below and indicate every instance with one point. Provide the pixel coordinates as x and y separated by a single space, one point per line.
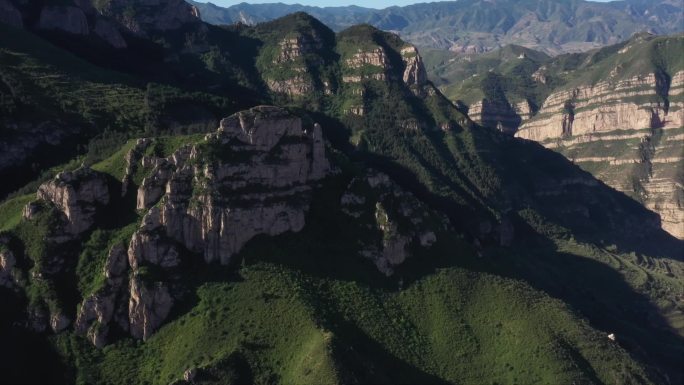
7 264
10 15
414 71
98 309
397 223
108 32
150 304
503 115
152 15
68 19
253 176
637 124
76 194
295 68
632 103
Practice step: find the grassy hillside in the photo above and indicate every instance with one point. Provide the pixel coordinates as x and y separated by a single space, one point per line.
533 304
447 316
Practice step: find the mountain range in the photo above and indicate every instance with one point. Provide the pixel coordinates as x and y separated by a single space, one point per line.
476 26
616 111
185 203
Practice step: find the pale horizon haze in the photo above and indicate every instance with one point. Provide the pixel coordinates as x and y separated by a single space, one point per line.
332 3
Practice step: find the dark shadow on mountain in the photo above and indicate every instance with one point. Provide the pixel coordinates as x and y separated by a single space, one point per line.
26 357
573 198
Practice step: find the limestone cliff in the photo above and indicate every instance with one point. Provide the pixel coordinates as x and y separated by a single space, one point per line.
504 116
398 224
627 132
151 15
76 195
289 73
10 15
251 177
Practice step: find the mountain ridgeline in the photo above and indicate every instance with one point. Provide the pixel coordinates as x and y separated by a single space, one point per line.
476 26
616 111
281 203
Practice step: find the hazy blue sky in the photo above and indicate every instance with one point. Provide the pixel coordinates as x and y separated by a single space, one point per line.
327 3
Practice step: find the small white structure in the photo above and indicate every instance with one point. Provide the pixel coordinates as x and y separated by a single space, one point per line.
611 336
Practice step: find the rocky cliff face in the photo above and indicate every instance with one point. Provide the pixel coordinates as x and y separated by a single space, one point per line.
76 195
152 15
398 224
10 15
374 64
65 18
503 116
290 72
253 176
7 264
627 132
105 304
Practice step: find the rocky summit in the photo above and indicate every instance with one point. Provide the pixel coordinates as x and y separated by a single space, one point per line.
277 201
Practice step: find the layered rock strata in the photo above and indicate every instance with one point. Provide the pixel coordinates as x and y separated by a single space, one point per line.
628 133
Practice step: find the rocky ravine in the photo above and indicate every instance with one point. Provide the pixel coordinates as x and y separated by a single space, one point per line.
628 133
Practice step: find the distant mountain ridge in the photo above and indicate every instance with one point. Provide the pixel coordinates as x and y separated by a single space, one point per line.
472 26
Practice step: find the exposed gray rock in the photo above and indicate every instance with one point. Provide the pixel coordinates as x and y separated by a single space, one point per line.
133 157
148 307
10 15
7 263
59 322
253 176
152 15
397 221
109 33
414 72
152 248
77 194
98 309
64 18
115 265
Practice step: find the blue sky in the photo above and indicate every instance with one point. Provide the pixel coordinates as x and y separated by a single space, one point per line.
327 3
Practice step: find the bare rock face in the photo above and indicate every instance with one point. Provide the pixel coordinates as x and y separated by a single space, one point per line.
637 123
59 322
109 33
10 15
253 176
97 310
499 115
76 194
7 263
296 54
150 245
396 221
152 15
64 18
133 158
414 72
149 306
